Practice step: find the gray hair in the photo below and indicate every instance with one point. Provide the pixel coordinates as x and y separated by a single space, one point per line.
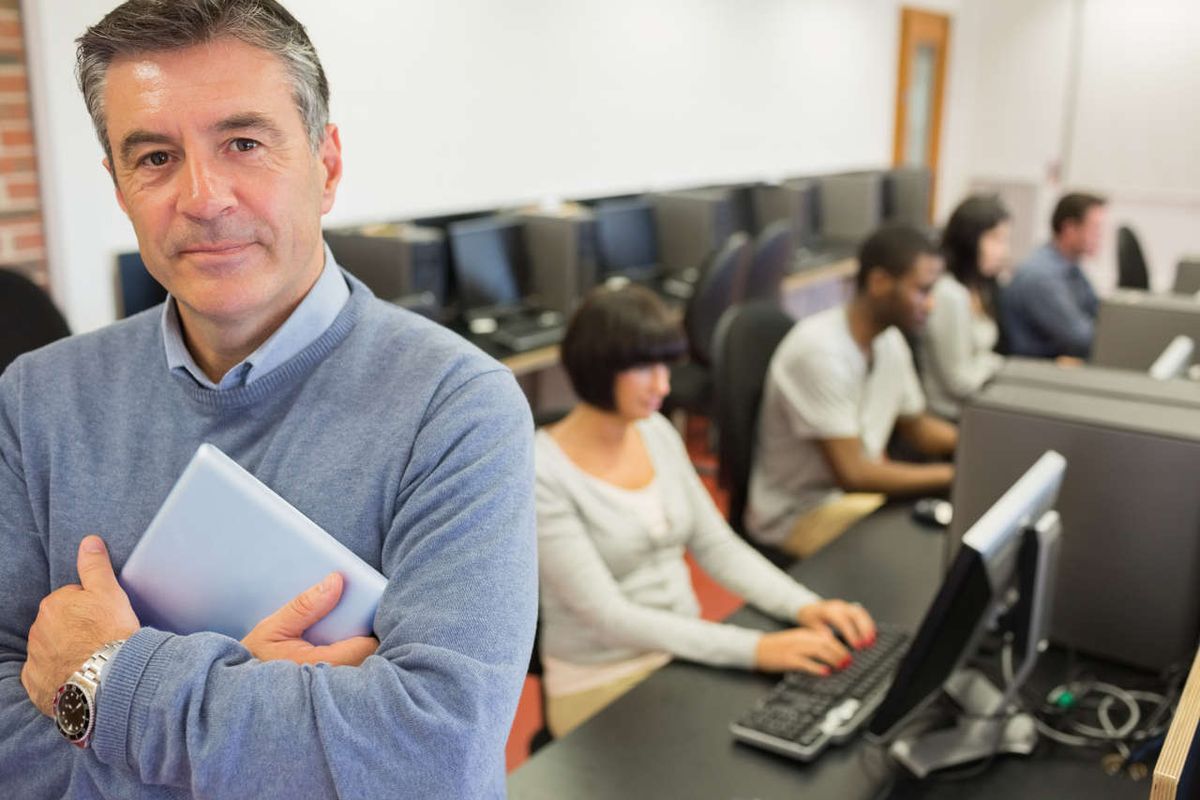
147 26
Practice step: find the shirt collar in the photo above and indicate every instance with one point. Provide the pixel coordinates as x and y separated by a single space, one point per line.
311 318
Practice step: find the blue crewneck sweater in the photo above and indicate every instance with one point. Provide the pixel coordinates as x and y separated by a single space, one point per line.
393 434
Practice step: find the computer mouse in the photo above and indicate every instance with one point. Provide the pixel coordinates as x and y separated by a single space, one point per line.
933 512
482 326
549 318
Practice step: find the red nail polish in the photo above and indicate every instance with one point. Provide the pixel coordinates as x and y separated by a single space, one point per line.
825 670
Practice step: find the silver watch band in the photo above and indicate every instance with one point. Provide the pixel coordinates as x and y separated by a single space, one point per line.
94 666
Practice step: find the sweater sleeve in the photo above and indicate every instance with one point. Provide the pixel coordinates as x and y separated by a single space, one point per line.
573 572
958 368
722 553
427 715
35 761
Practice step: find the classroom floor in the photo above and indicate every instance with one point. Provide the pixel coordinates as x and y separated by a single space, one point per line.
715 602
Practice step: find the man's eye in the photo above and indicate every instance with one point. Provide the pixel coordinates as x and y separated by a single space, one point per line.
156 159
244 145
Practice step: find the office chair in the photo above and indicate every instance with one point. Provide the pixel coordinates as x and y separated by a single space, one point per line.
1131 263
773 252
28 318
745 341
137 289
691 380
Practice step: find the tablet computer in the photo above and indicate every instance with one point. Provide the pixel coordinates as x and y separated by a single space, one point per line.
224 552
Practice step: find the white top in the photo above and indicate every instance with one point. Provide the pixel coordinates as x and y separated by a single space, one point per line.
820 386
614 584
957 348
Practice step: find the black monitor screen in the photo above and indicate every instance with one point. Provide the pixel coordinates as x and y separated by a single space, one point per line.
626 239
943 638
489 259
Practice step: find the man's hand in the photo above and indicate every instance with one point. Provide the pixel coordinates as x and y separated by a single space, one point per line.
278 637
73 622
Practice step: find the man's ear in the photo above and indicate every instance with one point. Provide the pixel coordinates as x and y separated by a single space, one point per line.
116 188
880 283
330 154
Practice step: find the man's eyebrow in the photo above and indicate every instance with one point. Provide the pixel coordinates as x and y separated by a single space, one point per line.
137 138
248 120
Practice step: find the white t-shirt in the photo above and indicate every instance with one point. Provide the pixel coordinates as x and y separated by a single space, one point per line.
820 386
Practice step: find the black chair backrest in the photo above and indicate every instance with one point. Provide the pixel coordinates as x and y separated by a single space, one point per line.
773 252
1131 263
714 294
28 318
745 341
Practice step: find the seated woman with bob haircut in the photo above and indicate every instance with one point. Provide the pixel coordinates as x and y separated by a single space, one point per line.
618 503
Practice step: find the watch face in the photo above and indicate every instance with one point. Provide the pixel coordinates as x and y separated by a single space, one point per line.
74 712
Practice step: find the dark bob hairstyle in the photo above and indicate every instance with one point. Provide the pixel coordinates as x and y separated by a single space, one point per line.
614 330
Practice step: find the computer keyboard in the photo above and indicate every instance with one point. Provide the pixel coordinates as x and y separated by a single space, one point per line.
521 334
805 713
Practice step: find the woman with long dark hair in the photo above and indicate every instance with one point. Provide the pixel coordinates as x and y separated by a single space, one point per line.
958 345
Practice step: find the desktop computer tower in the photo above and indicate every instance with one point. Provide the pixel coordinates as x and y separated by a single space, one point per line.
1133 328
394 260
1187 276
851 206
561 247
795 202
906 196
691 225
1104 381
1127 585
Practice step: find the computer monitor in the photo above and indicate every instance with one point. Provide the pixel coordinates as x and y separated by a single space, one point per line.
1134 527
626 239
1102 381
1175 360
1133 327
136 287
1005 568
851 206
1177 773
489 261
1187 276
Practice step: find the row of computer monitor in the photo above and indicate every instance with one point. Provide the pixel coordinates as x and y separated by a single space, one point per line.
551 257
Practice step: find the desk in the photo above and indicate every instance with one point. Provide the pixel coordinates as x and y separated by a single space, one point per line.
669 737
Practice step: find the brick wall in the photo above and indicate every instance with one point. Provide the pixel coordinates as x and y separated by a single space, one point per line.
22 245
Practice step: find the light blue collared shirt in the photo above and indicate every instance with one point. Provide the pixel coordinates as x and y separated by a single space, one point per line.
311 318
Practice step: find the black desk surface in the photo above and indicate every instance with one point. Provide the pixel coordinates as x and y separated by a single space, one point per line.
669 736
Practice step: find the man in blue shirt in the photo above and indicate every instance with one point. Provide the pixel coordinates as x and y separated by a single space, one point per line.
1049 308
408 445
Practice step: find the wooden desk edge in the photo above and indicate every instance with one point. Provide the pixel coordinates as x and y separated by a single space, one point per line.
533 361
1179 738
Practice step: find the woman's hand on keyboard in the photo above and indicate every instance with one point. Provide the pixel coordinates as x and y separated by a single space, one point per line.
850 621
813 650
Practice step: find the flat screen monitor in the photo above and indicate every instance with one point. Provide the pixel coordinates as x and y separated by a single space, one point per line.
626 239
982 575
1175 359
489 261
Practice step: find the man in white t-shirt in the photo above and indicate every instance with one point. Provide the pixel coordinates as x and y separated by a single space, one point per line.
837 386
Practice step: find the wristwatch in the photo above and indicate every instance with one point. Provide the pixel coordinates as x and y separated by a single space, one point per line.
75 701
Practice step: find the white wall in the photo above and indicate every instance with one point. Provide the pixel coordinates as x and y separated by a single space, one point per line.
472 103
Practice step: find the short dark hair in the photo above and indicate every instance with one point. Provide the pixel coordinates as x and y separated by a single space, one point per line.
894 249
1074 207
155 26
974 217
614 330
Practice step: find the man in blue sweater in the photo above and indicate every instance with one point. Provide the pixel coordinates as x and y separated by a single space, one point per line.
397 437
1049 308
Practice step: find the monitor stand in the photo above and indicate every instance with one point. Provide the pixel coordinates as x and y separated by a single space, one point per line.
983 728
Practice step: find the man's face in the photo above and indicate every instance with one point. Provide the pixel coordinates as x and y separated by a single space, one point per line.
215 170
906 302
1082 239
